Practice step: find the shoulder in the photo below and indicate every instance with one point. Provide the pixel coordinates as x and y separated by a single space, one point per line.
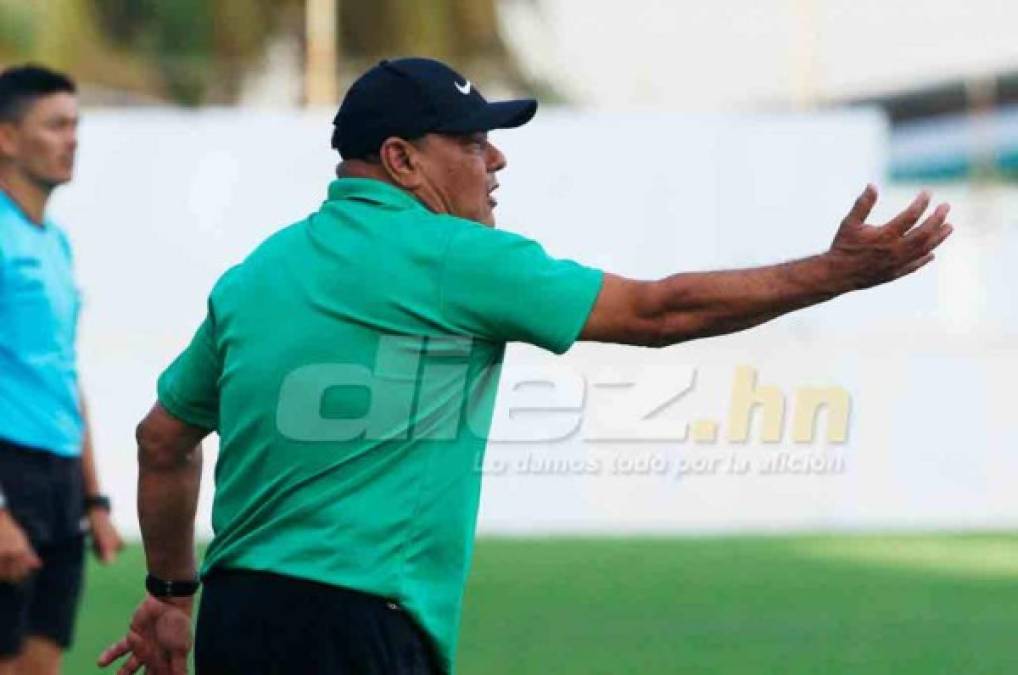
227 281
10 223
467 234
280 242
266 254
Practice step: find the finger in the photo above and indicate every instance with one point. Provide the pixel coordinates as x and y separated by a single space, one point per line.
936 238
178 663
904 221
940 236
131 667
32 560
931 229
862 206
114 652
929 225
915 266
106 553
159 664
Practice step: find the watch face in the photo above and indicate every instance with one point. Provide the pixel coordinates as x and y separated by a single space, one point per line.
161 588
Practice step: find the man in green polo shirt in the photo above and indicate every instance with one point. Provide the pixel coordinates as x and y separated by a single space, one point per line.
350 366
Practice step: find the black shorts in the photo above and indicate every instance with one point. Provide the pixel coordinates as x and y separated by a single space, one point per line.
255 623
44 496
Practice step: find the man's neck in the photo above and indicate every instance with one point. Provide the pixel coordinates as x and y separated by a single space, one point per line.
356 168
29 195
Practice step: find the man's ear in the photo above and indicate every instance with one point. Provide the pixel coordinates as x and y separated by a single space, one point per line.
399 159
8 140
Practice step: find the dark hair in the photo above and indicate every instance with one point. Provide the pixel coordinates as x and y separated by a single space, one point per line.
22 85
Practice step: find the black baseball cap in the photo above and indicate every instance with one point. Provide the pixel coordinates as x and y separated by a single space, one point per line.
412 97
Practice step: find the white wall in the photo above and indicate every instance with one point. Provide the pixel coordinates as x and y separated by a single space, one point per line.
743 54
165 201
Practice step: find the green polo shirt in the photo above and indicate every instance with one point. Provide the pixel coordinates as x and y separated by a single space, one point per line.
350 366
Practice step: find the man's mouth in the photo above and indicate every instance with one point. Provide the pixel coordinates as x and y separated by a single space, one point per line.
492 202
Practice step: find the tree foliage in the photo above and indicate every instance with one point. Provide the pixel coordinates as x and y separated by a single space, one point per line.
197 51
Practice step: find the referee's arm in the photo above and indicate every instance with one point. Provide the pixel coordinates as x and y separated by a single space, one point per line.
696 305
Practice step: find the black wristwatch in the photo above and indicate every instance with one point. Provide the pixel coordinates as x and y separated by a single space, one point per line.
161 588
97 502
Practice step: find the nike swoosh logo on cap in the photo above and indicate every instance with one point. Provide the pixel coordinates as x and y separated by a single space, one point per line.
463 88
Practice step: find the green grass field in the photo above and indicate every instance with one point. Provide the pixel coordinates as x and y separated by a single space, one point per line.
782 605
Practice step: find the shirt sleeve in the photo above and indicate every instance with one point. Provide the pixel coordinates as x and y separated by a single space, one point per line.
503 287
189 388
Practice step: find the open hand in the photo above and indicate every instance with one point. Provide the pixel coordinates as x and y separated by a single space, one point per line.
17 557
869 255
159 639
106 542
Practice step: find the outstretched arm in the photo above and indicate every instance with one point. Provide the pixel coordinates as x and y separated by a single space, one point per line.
701 304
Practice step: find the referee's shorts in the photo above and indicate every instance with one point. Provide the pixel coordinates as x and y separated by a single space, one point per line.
44 495
256 623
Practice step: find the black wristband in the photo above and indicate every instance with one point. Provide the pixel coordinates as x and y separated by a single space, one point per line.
161 588
97 502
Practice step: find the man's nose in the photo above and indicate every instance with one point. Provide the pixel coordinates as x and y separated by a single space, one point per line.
496 160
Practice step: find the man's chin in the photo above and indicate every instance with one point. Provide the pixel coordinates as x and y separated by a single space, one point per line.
53 182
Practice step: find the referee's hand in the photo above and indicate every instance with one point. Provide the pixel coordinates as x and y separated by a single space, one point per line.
159 638
17 557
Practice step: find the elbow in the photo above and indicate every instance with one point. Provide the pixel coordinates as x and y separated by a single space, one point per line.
649 316
662 318
159 450
656 334
669 330
153 451
645 313
662 325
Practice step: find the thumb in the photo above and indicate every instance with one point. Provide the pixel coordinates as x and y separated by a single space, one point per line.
861 208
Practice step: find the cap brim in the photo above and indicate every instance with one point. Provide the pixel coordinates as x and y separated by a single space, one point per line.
497 115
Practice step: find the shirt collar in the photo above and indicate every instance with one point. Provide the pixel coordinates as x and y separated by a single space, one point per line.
6 201
371 190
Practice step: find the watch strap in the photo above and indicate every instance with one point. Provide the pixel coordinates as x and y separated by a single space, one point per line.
98 502
176 588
